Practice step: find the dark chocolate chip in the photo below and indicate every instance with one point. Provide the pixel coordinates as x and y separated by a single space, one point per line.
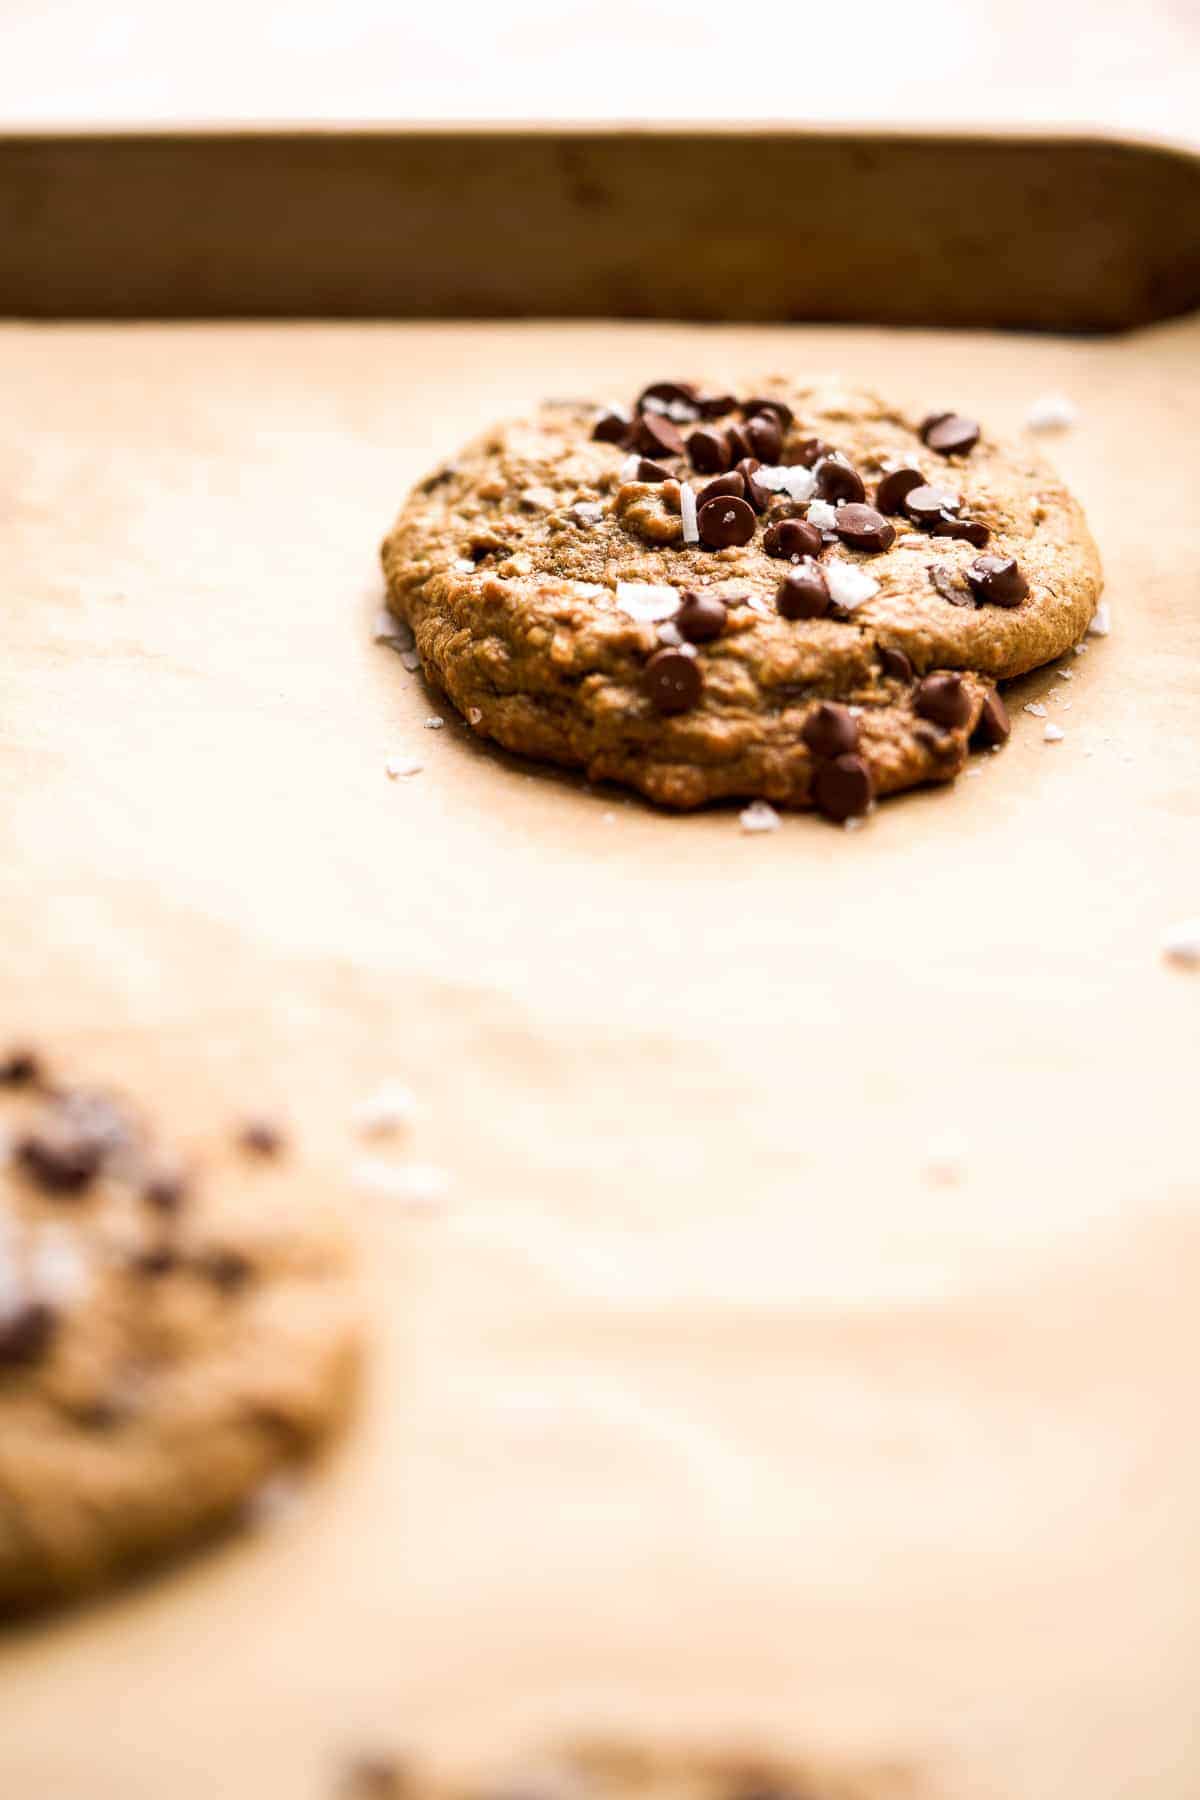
652 471
792 537
21 1067
657 436
759 497
26 1334
830 729
946 583
863 528
895 487
732 484
804 594
715 406
944 698
994 725
669 392
894 663
375 1778
836 480
925 505
811 451
842 789
673 680
725 521
700 618
228 1270
760 404
448 471
740 446
764 437
950 434
998 580
59 1158
261 1137
613 428
974 531
710 450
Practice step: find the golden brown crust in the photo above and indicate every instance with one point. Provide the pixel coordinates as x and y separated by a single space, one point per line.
510 590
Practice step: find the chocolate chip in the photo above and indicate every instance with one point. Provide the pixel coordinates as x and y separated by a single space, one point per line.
842 789
836 480
764 437
700 618
759 497
261 1137
926 505
710 450
375 1778
994 724
895 487
725 521
973 530
671 393
950 434
863 528
228 1270
673 680
894 663
792 537
811 451
740 446
830 729
946 584
59 1158
652 471
715 406
733 485
612 428
803 594
759 404
998 580
26 1334
656 436
944 698
20 1068
165 1190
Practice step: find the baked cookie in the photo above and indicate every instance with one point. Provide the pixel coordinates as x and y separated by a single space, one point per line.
800 593
166 1343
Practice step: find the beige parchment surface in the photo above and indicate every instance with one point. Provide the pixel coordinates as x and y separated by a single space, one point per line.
699 1408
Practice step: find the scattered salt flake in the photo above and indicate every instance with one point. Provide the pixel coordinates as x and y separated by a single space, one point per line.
434 722
1065 674
1101 623
608 818
629 468
588 590
385 1111
1053 734
1081 649
412 1184
670 633
647 601
276 1501
687 512
390 630
474 714
397 766
1181 944
792 479
682 411
854 823
820 513
759 816
758 605
946 1158
464 565
1036 708
849 586
411 661
588 512
1051 411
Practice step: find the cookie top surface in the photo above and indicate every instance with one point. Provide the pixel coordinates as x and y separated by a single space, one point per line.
167 1341
583 593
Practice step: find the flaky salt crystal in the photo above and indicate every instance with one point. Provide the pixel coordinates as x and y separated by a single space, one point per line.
1101 623
398 766
1051 411
687 512
1053 734
849 586
820 514
759 816
647 601
1036 708
792 479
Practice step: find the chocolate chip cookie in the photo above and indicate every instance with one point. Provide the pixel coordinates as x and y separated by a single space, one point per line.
167 1341
800 593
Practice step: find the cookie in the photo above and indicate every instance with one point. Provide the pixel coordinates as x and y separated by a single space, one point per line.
802 594
168 1341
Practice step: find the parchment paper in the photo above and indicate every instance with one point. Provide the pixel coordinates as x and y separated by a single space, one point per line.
702 1406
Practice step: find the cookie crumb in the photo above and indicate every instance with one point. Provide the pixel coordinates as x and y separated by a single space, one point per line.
387 1110
397 766
1181 944
1053 734
760 815
1052 411
1101 623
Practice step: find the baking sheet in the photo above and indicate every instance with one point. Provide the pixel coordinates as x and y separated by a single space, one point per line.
701 1406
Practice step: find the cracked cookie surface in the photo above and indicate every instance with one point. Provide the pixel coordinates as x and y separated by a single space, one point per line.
542 573
168 1343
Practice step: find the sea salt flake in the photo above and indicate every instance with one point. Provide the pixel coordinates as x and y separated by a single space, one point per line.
1101 623
759 816
390 630
588 590
1036 708
629 468
1181 944
670 634
687 512
820 513
647 601
464 565
398 766
1051 411
792 479
1064 674
681 411
588 512
1080 649
1053 734
385 1111
849 586
411 661
434 722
